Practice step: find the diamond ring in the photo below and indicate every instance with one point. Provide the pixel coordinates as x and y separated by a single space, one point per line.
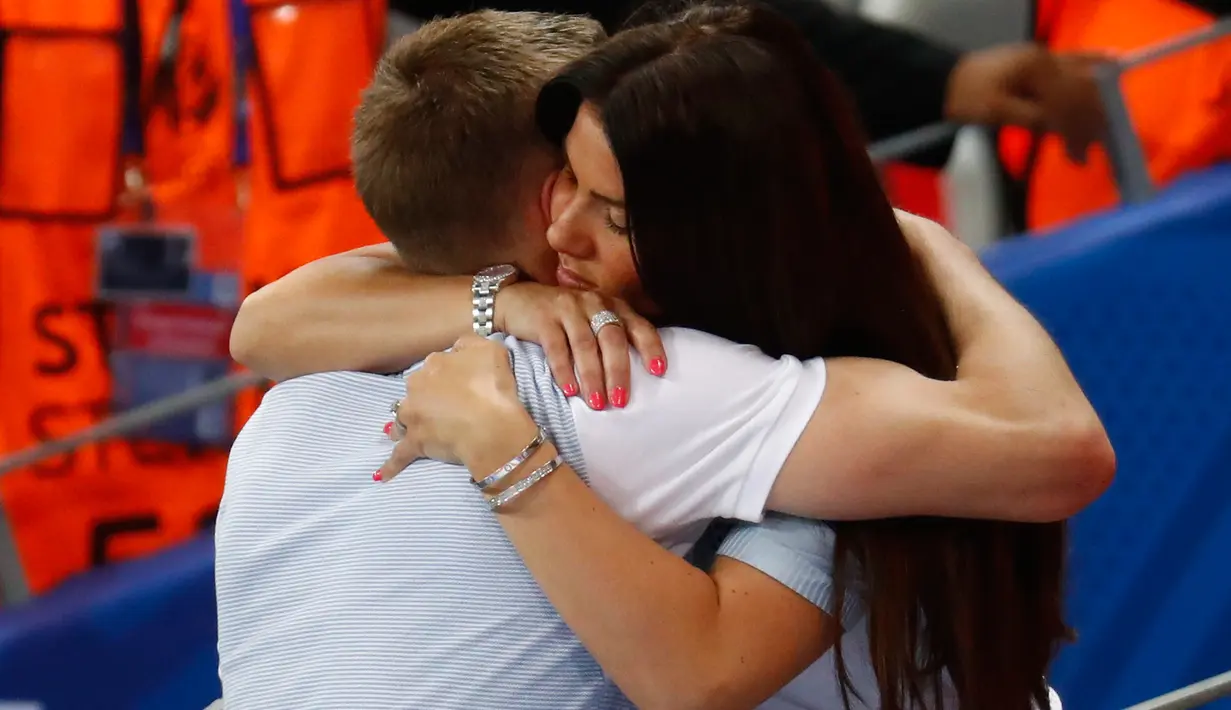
604 318
398 426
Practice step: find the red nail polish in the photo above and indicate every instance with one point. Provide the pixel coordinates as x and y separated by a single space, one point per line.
619 397
570 390
596 400
388 428
376 477
658 367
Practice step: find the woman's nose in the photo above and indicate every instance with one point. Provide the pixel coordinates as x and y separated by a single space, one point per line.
566 236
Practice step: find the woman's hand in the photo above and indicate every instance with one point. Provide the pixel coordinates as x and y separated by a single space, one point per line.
457 403
559 320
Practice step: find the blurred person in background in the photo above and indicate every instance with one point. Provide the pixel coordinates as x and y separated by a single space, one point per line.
113 112
899 80
1180 105
309 63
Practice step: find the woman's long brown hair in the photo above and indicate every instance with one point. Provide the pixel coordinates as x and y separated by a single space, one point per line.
757 215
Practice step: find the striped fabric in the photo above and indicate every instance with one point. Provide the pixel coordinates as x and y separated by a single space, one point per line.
799 554
336 592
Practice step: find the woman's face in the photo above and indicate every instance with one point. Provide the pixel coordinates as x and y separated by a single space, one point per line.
589 228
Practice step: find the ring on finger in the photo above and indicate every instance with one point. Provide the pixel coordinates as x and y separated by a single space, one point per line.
398 427
604 318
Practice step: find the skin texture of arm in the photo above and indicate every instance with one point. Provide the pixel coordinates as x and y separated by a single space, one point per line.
363 310
338 313
1012 438
669 635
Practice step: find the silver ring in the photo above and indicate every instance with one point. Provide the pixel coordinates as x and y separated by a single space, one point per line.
398 426
604 318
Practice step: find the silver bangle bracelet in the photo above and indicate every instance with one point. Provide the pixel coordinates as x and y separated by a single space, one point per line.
507 495
518 460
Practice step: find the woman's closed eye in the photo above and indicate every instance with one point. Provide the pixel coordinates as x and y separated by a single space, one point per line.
615 222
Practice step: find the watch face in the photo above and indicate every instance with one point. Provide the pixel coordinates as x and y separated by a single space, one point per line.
496 274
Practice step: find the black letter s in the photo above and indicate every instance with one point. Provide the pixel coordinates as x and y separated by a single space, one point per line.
42 326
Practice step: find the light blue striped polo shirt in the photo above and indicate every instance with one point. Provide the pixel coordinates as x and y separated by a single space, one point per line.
335 592
799 554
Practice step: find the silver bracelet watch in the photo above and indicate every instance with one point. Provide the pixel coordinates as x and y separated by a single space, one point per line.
487 283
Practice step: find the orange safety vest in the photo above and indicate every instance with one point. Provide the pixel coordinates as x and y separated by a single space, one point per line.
1180 105
61 118
311 60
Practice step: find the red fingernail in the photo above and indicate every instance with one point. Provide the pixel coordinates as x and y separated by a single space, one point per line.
570 390
388 428
658 367
619 397
596 400
376 476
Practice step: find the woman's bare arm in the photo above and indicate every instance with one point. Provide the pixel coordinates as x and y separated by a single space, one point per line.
360 310
1012 438
669 635
364 310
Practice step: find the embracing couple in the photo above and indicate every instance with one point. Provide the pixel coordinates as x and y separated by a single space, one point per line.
696 190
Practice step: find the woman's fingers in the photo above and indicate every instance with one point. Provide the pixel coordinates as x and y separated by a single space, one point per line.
404 453
446 401
613 345
395 429
597 369
560 359
644 338
576 323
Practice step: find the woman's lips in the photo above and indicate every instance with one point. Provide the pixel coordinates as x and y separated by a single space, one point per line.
569 279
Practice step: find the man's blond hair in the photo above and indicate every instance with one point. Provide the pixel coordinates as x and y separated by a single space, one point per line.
446 126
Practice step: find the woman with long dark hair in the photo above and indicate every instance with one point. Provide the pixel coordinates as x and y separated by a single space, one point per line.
718 181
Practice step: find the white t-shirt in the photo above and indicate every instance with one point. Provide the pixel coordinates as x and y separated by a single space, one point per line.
705 441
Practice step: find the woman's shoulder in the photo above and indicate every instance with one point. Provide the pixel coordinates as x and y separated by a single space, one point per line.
698 343
702 355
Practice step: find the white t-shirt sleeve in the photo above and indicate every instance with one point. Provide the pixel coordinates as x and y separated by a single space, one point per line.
705 441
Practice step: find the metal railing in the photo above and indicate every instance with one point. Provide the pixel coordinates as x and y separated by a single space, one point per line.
1192 696
1132 175
1130 167
14 588
907 144
1128 159
134 420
